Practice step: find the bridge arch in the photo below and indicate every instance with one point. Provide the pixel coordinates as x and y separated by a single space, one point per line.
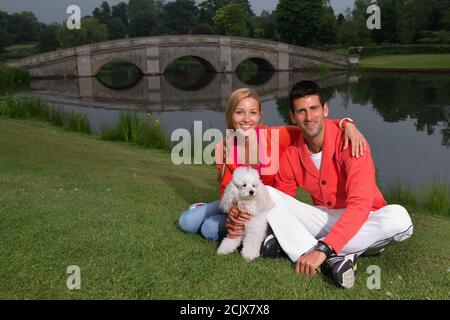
100 60
262 63
204 61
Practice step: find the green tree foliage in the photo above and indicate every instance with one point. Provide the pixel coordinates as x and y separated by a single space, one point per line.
120 11
145 17
5 38
48 40
264 26
103 14
232 20
23 27
180 16
208 9
300 22
203 28
91 31
117 29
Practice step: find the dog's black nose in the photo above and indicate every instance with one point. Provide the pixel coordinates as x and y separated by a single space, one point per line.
251 192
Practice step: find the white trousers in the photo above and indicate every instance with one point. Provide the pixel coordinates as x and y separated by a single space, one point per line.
298 226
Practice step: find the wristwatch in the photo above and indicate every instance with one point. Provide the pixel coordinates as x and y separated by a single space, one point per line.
325 248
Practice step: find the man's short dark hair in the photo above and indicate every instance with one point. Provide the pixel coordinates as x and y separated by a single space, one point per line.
303 89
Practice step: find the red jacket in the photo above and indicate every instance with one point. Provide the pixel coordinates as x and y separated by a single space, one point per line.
287 136
343 182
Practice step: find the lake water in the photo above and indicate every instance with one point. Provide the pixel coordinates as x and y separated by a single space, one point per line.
404 117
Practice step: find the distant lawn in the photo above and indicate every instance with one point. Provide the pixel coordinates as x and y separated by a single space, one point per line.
18 51
416 61
112 209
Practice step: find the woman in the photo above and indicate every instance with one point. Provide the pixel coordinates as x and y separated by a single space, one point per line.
244 114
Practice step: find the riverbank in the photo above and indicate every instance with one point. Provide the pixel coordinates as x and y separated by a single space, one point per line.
407 63
112 209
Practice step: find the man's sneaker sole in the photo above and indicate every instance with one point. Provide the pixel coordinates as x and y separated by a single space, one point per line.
347 277
343 272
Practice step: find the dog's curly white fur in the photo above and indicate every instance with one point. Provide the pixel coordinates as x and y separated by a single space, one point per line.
250 194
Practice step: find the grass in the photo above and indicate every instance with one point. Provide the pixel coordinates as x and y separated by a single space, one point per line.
19 51
414 61
432 197
112 209
140 131
19 108
13 79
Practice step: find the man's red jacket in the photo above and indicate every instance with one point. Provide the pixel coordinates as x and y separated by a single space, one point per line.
342 182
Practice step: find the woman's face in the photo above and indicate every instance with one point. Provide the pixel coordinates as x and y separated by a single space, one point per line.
246 115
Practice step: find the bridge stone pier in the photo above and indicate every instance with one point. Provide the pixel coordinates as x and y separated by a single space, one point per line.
152 55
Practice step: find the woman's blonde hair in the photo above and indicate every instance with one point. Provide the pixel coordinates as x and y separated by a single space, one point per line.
235 98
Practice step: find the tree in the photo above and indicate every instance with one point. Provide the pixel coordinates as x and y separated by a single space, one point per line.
231 20
208 9
48 40
299 22
327 32
264 26
92 31
120 11
202 28
5 39
145 17
23 26
180 16
103 14
117 29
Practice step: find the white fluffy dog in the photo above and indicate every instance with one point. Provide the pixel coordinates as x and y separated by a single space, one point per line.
250 195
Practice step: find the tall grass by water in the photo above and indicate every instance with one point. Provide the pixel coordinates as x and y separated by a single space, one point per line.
33 108
134 129
432 196
13 79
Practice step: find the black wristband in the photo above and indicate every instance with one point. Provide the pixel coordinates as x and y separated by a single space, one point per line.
325 248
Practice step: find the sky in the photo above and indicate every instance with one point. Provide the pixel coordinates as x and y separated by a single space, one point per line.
55 10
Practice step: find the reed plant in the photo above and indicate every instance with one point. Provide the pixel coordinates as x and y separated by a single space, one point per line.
34 108
132 128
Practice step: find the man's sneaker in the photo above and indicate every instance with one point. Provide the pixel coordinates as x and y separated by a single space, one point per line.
271 248
341 270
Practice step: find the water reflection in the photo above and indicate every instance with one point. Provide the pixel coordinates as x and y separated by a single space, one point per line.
119 75
395 97
255 71
190 73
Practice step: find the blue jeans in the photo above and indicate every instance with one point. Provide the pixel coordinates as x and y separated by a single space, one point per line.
208 219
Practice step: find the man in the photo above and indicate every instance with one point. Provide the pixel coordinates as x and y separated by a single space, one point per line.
349 217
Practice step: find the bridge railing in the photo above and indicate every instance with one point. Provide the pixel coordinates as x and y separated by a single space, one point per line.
178 39
321 55
44 57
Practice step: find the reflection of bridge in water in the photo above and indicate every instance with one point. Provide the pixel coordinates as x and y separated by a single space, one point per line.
157 94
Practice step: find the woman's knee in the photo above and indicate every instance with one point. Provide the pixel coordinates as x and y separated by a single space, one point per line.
213 228
188 222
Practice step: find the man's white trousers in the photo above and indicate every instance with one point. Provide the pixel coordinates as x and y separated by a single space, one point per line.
298 226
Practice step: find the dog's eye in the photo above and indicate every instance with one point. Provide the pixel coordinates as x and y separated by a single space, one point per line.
254 186
244 185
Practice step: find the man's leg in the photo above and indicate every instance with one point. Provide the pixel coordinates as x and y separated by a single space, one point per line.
385 226
297 225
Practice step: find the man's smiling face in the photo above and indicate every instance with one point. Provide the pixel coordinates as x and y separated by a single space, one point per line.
309 115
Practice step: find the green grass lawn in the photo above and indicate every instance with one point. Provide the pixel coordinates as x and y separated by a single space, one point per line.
416 61
112 209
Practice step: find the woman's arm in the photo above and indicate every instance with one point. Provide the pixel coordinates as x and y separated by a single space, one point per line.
358 141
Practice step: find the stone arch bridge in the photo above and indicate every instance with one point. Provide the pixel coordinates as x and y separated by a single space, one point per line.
152 55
